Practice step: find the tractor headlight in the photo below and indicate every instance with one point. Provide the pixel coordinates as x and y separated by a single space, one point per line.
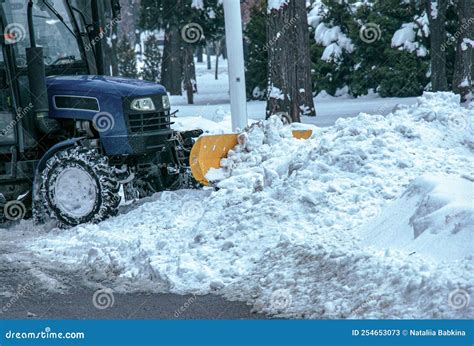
166 102
143 104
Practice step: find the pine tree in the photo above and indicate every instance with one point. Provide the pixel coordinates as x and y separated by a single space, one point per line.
212 20
390 70
152 59
332 62
127 64
353 47
256 57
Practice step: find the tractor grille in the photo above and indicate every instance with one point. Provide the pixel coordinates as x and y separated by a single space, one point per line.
146 122
149 122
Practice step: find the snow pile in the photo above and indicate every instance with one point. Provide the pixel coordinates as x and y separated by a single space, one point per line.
283 232
217 122
435 217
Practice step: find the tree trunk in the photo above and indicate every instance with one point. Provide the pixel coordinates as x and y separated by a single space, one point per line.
464 63
218 53
437 19
208 57
199 53
223 48
172 65
189 73
289 65
193 74
113 50
192 70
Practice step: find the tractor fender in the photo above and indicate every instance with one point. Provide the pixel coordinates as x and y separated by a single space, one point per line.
53 150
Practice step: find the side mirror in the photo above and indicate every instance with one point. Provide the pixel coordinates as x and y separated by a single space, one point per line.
116 10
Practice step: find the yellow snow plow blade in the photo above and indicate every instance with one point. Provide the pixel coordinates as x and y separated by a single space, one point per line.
302 134
208 151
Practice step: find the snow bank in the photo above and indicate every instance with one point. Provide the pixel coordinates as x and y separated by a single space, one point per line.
434 216
283 231
214 123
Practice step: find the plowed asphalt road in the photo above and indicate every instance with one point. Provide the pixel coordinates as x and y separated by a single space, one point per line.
22 296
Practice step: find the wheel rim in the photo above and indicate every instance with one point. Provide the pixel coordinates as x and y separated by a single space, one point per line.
75 192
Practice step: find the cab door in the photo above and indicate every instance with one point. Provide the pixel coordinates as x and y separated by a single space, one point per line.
8 121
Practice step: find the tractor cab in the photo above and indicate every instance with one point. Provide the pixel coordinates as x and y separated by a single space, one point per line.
65 125
55 32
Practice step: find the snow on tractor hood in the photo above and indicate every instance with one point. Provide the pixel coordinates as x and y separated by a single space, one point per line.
95 85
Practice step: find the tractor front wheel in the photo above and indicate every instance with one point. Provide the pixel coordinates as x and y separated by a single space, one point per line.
79 186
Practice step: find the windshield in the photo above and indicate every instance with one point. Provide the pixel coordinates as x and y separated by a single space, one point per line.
58 42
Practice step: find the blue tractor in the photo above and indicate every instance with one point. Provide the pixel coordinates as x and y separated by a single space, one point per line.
74 142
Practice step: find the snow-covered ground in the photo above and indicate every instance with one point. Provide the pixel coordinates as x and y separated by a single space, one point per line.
369 218
433 217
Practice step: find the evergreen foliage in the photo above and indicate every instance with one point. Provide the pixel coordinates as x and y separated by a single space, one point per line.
352 62
127 63
256 56
151 59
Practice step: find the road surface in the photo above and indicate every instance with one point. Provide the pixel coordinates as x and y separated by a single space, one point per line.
79 304
23 296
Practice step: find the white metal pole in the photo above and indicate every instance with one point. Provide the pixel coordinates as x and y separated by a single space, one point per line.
235 59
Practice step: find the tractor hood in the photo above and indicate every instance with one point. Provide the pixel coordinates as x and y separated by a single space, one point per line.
96 85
